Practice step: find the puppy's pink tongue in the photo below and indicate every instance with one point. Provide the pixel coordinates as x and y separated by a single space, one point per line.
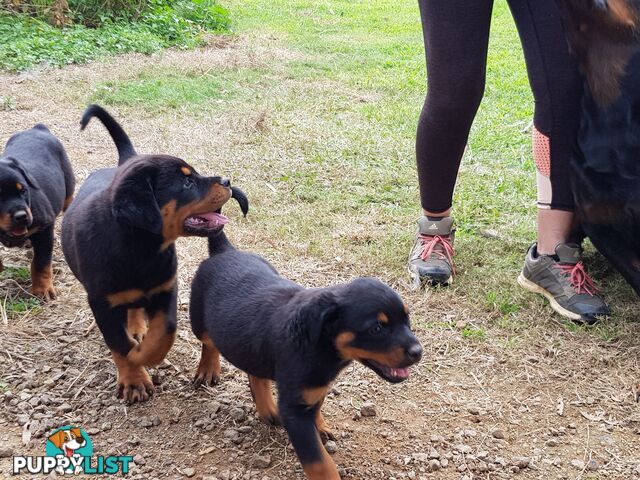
400 372
18 232
214 219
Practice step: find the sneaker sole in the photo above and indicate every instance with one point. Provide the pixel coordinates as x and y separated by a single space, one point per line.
424 281
535 288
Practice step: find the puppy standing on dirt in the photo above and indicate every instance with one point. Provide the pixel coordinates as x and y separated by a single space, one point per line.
275 330
118 238
605 37
36 184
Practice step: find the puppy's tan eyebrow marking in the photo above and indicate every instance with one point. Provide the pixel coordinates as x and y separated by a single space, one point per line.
19 186
186 170
382 318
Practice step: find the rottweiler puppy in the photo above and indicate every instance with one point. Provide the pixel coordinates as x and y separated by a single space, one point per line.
275 330
118 238
36 184
605 37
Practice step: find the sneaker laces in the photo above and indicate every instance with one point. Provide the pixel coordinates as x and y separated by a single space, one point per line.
579 278
429 244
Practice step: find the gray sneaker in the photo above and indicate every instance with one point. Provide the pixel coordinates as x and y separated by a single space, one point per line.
562 279
431 258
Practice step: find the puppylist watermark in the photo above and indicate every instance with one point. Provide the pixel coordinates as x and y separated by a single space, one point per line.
69 451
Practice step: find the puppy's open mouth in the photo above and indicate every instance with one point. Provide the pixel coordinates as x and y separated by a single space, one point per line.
390 374
205 223
18 232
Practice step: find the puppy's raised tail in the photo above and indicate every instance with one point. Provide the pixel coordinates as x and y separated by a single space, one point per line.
120 138
219 243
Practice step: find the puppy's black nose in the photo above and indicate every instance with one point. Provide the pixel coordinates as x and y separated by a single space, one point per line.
21 217
414 352
225 182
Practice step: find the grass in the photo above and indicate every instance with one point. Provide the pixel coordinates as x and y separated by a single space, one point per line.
19 274
26 42
342 114
22 305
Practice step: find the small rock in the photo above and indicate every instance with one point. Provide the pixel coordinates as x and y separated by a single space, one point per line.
6 452
592 465
444 463
331 446
261 461
473 410
577 464
189 472
521 462
64 408
238 414
433 454
368 410
139 459
552 442
498 433
434 466
466 449
245 429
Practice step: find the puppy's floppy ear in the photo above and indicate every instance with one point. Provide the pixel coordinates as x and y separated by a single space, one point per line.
30 180
314 316
134 203
57 438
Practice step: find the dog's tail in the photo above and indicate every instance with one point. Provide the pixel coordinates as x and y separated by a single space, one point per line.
219 243
120 138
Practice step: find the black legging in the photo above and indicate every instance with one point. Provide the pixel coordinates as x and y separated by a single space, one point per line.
456 37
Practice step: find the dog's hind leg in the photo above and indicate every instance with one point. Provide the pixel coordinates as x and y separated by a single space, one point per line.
137 323
262 397
208 372
41 270
323 429
134 383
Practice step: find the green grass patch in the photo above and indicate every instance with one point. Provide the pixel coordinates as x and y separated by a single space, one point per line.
22 305
26 42
19 274
157 91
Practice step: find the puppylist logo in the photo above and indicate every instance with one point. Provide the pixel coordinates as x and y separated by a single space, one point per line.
69 451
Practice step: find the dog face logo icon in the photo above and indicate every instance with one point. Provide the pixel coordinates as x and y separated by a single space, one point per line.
71 442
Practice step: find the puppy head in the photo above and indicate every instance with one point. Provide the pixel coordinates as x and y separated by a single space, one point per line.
15 199
71 439
166 196
366 321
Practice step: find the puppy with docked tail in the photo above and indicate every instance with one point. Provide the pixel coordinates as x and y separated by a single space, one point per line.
277 331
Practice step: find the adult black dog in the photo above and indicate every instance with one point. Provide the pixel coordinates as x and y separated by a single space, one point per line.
274 329
118 238
36 184
605 36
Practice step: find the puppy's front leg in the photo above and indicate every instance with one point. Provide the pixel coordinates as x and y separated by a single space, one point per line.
300 422
41 271
134 383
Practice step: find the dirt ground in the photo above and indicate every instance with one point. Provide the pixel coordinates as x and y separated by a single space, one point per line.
557 404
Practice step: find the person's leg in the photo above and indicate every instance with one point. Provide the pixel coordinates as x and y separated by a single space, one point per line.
456 36
552 266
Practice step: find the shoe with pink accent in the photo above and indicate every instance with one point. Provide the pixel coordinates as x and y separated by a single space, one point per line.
431 259
563 280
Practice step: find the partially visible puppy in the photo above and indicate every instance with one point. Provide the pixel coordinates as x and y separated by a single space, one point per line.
605 37
118 238
276 330
36 185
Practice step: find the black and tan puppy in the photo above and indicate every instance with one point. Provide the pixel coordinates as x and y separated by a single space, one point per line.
275 330
118 238
36 184
605 36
